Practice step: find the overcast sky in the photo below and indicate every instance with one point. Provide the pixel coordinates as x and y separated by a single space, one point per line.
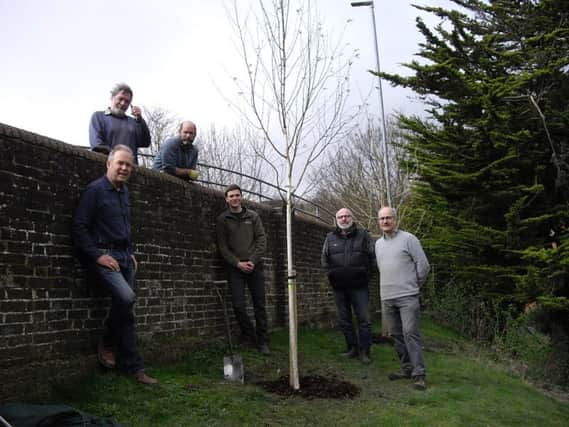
61 57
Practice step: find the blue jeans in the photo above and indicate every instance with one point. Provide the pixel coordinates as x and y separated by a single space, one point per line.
403 317
255 281
119 330
358 299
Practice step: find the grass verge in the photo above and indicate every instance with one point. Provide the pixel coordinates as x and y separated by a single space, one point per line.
464 388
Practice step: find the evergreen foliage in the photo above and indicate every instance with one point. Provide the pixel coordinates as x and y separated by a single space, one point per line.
492 156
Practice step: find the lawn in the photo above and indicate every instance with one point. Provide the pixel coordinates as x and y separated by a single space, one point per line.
464 388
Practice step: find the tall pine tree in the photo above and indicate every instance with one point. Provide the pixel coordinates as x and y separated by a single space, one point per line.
492 193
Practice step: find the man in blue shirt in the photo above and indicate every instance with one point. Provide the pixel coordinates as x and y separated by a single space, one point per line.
101 234
178 156
112 127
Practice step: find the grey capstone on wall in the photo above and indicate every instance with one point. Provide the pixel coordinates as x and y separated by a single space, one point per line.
51 316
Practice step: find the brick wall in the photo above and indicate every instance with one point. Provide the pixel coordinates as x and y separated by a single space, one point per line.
50 318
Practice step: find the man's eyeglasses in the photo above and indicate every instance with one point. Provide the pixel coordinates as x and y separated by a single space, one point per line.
343 216
385 218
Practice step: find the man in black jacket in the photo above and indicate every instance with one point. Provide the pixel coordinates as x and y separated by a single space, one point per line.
348 257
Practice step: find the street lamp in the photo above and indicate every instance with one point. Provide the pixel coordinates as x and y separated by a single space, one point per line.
384 131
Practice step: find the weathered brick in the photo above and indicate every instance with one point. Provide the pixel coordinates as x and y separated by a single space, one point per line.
17 317
11 259
11 329
77 314
44 286
18 294
13 306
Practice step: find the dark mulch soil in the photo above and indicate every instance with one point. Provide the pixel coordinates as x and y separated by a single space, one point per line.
313 386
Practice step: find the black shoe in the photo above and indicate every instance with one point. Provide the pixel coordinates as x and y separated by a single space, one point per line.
419 383
364 357
399 376
350 354
264 349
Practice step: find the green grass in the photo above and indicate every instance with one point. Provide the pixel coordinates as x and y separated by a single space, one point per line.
464 388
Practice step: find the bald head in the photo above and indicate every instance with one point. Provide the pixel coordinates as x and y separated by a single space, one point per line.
187 132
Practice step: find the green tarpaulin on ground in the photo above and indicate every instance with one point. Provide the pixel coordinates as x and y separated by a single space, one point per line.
26 415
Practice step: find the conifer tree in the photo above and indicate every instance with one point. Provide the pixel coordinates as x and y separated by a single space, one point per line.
493 153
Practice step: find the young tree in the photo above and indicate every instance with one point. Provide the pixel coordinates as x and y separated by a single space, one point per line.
293 93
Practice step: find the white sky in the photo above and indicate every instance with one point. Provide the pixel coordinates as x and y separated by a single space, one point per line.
59 58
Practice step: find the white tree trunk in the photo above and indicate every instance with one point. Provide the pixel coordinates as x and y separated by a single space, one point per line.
292 313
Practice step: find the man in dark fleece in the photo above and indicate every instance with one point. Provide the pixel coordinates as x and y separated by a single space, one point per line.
241 241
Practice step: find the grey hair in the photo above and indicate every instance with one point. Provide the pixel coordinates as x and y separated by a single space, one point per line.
121 87
344 208
119 147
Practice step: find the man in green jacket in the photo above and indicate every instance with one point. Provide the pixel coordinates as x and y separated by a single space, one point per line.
241 240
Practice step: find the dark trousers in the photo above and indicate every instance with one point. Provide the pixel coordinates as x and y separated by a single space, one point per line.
255 281
119 330
358 300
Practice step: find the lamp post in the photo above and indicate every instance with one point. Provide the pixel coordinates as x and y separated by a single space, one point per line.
383 130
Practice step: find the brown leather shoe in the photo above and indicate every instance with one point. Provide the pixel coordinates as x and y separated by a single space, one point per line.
106 357
142 378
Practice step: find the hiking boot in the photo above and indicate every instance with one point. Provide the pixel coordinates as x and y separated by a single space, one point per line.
364 357
419 383
264 349
142 378
350 354
393 376
106 356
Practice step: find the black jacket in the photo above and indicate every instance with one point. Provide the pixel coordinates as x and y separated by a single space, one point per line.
348 258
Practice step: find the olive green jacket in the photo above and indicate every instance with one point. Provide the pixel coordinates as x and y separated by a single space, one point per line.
241 238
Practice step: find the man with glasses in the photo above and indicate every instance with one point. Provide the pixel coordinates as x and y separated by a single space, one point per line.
347 256
403 268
